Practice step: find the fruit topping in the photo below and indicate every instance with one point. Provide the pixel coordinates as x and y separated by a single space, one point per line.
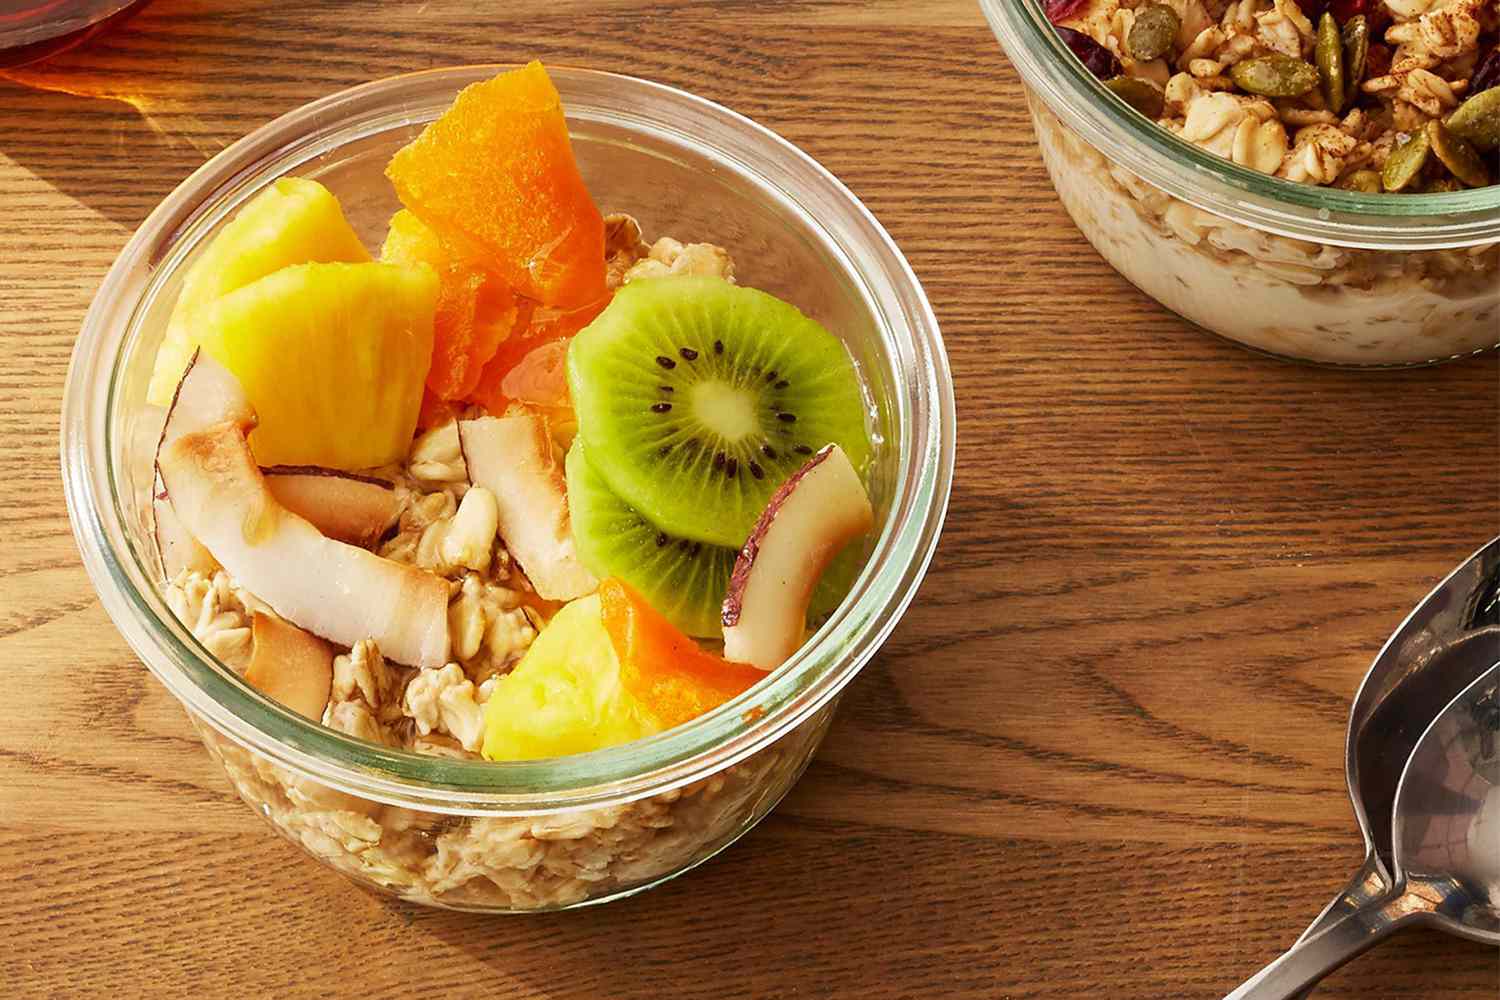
522 369
565 695
294 221
696 397
474 314
1095 58
495 177
813 515
1343 10
1059 10
333 589
290 665
514 458
207 394
1487 72
353 509
683 579
332 356
178 548
662 668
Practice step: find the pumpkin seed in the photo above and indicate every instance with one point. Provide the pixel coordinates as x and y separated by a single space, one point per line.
1274 76
1457 154
1143 95
1367 181
1356 36
1330 57
1405 162
1155 29
1478 119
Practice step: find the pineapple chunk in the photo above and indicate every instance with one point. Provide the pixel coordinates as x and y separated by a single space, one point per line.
294 221
409 241
332 357
565 696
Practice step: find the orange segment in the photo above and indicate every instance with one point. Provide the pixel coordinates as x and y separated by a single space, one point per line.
475 312
523 370
436 412
661 667
496 178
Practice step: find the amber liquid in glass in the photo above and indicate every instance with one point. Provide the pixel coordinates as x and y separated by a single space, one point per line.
35 29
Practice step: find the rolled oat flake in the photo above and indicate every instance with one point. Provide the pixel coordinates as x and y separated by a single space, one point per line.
1155 29
1458 155
1330 57
1478 120
1274 76
1143 95
1356 37
1405 162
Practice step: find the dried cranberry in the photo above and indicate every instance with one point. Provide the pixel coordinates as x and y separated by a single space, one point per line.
1378 60
1059 10
1095 58
1487 73
1377 14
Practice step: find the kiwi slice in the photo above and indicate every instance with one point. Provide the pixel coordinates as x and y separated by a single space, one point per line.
697 398
684 580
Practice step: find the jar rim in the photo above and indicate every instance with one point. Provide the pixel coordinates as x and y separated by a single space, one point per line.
925 429
1185 171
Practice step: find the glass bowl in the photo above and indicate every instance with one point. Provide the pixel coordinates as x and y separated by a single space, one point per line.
542 834
1290 269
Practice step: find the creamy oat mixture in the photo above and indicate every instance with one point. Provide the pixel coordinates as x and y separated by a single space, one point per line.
1311 95
449 528
1290 297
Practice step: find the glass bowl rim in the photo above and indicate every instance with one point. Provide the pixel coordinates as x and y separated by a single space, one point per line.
1210 182
691 752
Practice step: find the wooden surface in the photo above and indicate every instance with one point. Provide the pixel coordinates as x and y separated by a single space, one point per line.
1100 757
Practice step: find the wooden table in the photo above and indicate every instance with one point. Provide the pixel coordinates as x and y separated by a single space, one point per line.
1101 756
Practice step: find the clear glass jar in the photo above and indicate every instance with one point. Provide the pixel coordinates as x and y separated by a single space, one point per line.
1299 271
541 834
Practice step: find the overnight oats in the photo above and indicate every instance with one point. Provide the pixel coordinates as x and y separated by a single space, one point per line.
1345 211
521 485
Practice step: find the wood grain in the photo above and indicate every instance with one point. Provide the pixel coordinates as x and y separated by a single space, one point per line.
1100 757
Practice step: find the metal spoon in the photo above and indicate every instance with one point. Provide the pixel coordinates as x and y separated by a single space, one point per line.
1421 667
1446 834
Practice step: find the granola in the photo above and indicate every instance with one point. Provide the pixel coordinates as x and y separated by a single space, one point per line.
1316 92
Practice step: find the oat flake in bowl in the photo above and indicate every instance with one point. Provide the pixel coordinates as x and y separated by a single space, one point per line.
437 826
1237 197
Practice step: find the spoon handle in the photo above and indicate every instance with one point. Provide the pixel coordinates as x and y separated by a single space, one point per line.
1314 957
1367 884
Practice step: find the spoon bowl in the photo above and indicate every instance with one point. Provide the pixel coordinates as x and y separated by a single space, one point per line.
1447 816
1446 858
1428 660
